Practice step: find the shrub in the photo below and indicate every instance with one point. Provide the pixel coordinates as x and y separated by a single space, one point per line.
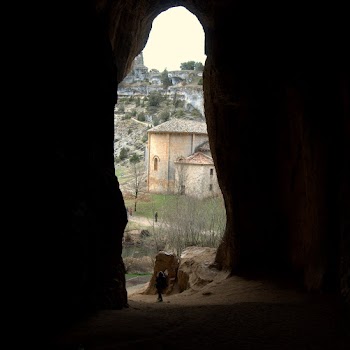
196 113
141 117
193 229
155 121
121 108
126 116
164 115
179 103
123 153
152 110
134 158
179 113
155 98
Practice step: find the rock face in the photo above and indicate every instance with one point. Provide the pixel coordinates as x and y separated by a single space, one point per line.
140 82
167 263
197 268
277 111
193 270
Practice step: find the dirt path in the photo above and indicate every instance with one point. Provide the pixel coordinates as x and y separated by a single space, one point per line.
140 122
144 221
231 314
134 284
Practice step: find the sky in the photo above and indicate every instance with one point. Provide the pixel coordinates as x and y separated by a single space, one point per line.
176 37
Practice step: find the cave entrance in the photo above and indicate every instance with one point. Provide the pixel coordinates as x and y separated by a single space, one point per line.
162 154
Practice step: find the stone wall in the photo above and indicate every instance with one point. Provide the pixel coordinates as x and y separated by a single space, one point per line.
168 147
196 178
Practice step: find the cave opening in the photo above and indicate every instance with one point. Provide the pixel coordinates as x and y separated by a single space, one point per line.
296 218
175 47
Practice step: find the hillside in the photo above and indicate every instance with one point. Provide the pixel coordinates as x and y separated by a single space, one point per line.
133 116
143 103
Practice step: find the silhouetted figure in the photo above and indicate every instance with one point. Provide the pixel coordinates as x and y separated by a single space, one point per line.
156 216
161 284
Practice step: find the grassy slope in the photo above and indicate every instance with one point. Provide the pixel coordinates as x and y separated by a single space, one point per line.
148 204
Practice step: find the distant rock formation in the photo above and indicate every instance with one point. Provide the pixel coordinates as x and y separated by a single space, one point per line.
141 82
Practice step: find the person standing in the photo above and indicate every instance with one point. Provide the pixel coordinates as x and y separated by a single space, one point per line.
156 216
161 284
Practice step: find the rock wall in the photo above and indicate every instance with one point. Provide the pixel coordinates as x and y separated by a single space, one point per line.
192 96
277 111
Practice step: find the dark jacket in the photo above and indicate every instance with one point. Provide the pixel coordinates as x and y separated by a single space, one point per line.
161 281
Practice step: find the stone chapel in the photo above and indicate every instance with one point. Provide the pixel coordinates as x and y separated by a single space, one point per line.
179 160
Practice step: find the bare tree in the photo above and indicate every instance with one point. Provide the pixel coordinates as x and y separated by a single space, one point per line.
159 239
194 222
181 175
137 183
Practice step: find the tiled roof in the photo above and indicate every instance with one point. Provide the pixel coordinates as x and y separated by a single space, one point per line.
204 147
181 126
197 158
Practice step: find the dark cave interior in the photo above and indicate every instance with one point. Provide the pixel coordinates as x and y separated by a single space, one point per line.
276 95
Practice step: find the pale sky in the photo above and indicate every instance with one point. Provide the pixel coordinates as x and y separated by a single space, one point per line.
176 37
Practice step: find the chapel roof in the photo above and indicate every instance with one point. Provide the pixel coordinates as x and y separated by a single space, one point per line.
197 158
203 147
181 126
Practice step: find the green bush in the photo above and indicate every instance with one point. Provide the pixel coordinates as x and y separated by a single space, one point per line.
121 108
151 110
126 116
179 113
164 115
179 103
141 117
155 98
134 158
124 153
196 113
155 121
166 81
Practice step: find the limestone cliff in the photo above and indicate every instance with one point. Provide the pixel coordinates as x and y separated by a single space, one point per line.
185 85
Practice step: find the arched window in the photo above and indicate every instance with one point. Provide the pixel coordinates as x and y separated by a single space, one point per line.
155 163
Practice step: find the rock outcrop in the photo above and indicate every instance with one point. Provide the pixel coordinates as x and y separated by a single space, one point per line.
167 263
197 268
193 270
141 82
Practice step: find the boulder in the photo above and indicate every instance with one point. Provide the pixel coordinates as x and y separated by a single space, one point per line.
197 268
169 263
